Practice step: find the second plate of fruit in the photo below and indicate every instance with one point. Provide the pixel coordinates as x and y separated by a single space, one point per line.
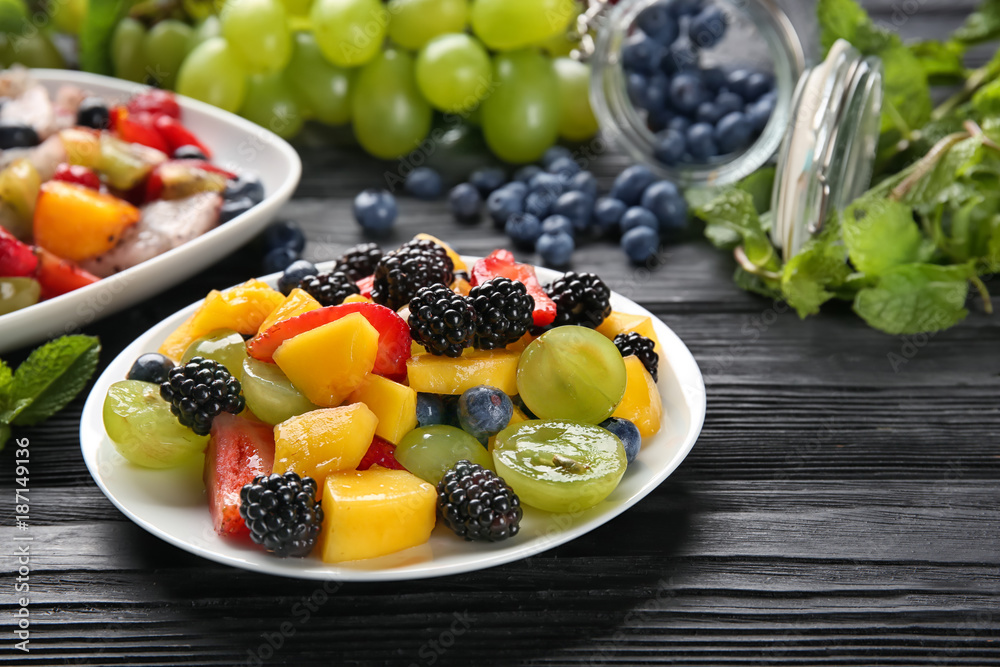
396 416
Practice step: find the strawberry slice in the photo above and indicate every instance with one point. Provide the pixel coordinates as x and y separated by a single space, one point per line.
176 135
240 449
17 259
155 102
380 453
365 285
75 173
393 334
137 128
58 276
500 263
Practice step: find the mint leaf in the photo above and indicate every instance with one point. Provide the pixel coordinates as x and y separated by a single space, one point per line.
880 233
906 88
732 214
51 377
751 283
845 19
99 23
983 25
821 264
6 386
940 61
916 298
759 185
943 182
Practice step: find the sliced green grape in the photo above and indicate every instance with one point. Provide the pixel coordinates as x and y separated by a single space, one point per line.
204 31
349 32
453 72
390 115
67 15
571 372
271 103
225 346
321 88
257 31
416 22
128 50
144 431
18 293
212 73
428 452
576 118
166 48
505 25
559 466
520 118
269 394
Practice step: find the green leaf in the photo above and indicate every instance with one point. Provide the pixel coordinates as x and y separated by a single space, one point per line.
906 88
992 258
986 100
751 283
983 25
821 264
4 435
943 182
51 377
6 386
845 19
733 213
99 23
916 298
940 61
880 233
722 237
759 185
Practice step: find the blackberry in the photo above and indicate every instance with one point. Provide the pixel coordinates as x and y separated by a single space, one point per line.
360 261
282 513
442 321
477 504
402 272
642 347
581 298
503 312
329 288
199 391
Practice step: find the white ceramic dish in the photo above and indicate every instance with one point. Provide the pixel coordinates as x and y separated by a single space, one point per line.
237 144
171 504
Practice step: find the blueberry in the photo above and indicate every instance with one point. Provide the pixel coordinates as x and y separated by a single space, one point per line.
246 184
629 184
641 54
627 432
756 86
464 202
658 22
666 202
701 141
294 273
278 259
554 153
527 172
548 183
577 207
759 112
679 123
637 216
555 224
679 58
423 183
635 86
707 27
285 234
484 411
714 78
233 207
736 81
150 367
657 92
188 152
658 119
686 7
640 244
669 147
728 102
524 230
539 204
564 167
733 133
375 210
430 410
487 180
687 92
555 249
583 182
708 112
93 112
607 212
505 202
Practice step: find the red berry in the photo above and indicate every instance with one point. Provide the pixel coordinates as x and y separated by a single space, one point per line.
380 453
501 263
156 102
75 173
240 449
16 259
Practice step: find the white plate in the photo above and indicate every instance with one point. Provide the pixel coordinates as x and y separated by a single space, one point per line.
172 504
236 144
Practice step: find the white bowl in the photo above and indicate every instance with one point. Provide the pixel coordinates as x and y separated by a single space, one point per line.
172 505
236 144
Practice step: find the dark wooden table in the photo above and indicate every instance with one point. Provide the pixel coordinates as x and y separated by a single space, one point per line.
838 508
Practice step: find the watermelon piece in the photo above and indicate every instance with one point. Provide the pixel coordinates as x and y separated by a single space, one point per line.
240 449
380 453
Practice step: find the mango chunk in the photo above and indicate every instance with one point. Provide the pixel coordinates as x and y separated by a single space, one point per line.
357 298
329 362
618 322
444 375
325 441
641 404
394 404
297 302
369 513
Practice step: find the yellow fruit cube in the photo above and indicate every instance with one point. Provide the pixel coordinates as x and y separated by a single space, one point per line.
617 323
641 403
329 362
369 513
445 375
456 259
321 442
296 303
394 404
357 298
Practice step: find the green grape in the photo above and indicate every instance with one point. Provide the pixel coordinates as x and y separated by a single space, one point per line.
349 32
213 74
297 7
67 15
225 346
166 47
453 72
322 88
520 118
559 466
390 116
128 50
428 452
257 31
144 431
576 118
13 16
269 394
504 25
204 31
271 103
571 372
34 49
416 22
201 10
18 293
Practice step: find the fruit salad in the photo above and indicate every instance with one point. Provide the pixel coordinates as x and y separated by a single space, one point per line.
345 414
89 188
